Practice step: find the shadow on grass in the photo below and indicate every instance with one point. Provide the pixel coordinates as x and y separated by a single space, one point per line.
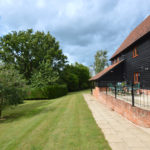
26 110
32 108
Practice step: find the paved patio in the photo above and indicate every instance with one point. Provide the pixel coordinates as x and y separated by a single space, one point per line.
119 132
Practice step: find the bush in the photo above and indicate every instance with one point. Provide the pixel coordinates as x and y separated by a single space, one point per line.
47 92
34 93
11 85
54 91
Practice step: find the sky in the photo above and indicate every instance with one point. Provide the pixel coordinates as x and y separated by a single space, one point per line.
81 26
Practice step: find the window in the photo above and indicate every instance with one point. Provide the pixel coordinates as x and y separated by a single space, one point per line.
136 77
117 59
135 53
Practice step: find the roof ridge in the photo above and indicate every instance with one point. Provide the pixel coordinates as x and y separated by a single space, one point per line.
139 31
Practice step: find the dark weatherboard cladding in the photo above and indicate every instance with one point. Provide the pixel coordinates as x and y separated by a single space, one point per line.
135 53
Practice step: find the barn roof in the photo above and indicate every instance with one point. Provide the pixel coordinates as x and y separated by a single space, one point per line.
141 30
106 70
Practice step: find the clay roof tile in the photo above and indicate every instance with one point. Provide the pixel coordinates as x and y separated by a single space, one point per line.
141 30
103 72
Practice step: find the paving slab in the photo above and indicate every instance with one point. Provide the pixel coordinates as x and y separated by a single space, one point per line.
120 133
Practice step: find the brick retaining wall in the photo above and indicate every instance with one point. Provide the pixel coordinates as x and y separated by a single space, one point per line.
135 114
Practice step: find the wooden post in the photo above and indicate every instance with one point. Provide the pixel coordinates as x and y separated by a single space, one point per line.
115 91
132 92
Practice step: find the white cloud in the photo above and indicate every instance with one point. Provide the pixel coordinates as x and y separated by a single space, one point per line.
41 3
81 26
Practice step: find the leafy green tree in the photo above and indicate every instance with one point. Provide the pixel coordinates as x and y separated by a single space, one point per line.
76 77
11 87
101 61
72 81
45 75
83 74
27 49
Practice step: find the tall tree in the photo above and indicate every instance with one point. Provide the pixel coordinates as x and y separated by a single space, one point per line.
44 76
27 49
101 60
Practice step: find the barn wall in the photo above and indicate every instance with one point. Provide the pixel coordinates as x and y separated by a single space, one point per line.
138 64
116 75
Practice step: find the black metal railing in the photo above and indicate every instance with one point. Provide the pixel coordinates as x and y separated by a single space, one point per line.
131 93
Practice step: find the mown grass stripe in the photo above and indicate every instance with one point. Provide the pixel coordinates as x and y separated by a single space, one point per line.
65 123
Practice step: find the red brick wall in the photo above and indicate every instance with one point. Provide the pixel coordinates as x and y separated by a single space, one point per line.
136 115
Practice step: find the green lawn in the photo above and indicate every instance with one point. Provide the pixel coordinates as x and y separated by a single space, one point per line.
65 123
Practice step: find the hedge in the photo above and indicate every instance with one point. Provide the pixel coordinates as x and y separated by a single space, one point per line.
47 92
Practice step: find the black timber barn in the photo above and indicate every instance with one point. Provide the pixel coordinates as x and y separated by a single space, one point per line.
131 61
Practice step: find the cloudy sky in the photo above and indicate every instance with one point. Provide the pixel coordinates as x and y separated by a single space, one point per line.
81 26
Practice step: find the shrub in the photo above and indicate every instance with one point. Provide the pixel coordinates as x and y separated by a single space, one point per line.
11 87
54 91
34 93
47 92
